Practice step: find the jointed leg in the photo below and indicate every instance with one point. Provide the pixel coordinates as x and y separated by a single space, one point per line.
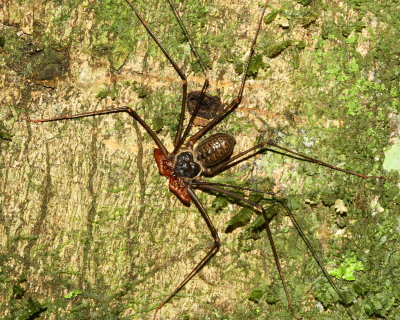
193 116
211 187
310 159
235 102
176 67
208 186
211 253
128 110
264 145
202 183
182 139
230 162
314 254
189 39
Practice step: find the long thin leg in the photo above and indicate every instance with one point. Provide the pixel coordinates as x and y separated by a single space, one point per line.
211 253
202 183
128 110
227 163
193 116
176 67
203 68
310 159
189 39
314 254
240 157
206 186
236 101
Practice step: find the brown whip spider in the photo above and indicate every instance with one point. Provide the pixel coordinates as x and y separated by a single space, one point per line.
197 156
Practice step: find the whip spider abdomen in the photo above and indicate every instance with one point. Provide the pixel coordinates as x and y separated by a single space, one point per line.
214 149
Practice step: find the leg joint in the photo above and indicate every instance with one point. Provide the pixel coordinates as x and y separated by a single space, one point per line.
217 242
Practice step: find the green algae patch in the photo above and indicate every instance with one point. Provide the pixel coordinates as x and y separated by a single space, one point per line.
347 268
392 157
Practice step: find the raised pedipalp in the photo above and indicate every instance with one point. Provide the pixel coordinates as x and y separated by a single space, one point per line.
179 188
177 185
165 166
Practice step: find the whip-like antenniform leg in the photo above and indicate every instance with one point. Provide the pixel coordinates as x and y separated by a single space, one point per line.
128 110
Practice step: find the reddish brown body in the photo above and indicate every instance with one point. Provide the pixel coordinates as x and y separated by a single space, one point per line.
214 149
177 184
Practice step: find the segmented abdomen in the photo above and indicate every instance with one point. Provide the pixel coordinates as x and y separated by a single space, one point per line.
214 149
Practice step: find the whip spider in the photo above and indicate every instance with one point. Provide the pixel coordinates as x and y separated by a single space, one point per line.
197 154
